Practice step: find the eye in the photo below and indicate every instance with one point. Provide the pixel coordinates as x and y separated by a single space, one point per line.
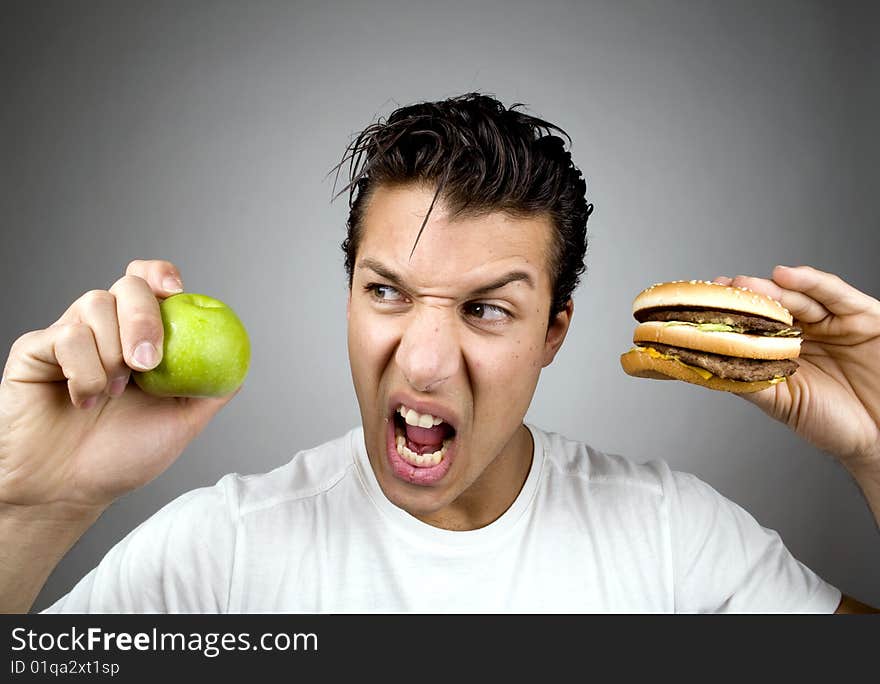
488 313
383 293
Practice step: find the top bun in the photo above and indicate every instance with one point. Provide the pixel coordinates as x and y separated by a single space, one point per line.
706 295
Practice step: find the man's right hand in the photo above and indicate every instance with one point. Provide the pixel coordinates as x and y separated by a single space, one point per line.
74 433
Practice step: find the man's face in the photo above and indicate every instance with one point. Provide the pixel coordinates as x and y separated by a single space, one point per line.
458 331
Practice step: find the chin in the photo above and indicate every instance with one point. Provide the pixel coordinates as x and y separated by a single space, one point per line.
415 497
416 503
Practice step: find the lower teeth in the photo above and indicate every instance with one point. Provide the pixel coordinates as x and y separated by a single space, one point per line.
423 460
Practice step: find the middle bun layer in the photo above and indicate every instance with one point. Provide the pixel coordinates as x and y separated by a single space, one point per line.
726 343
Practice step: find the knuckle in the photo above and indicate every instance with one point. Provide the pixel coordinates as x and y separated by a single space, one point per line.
24 340
97 299
73 332
134 266
19 346
135 280
127 282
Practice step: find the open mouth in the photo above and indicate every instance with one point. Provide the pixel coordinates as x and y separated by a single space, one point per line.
421 439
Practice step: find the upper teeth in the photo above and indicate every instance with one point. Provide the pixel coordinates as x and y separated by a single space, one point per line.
412 417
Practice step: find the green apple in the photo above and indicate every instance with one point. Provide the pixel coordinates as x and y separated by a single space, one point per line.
206 352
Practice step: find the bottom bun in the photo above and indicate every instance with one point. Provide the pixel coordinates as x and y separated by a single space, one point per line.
641 364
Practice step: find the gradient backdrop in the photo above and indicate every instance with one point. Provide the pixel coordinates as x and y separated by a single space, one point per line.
716 138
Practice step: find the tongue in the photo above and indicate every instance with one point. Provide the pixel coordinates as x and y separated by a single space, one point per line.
431 436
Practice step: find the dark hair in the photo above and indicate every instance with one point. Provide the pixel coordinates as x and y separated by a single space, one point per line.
482 158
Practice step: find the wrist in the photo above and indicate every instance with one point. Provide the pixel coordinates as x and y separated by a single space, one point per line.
864 464
52 520
865 470
33 539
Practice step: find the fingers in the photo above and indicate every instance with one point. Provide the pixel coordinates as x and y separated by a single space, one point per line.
810 294
76 353
63 351
97 311
116 331
162 276
140 328
100 337
802 307
829 290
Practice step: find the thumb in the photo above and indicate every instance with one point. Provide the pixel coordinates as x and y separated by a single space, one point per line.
767 400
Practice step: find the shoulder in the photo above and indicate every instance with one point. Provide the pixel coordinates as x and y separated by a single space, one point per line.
310 473
587 466
181 559
307 474
583 466
690 501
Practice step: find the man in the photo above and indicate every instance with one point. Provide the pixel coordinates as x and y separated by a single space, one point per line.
466 238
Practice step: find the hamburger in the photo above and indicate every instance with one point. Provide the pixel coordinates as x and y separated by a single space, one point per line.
721 337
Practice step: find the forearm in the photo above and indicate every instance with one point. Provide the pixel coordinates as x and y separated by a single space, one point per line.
33 540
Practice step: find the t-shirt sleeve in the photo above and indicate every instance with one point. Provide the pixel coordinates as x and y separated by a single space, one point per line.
179 560
724 561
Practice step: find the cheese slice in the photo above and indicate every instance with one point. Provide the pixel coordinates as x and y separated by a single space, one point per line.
653 353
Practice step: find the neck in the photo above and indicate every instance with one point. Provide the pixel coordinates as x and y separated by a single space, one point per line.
493 492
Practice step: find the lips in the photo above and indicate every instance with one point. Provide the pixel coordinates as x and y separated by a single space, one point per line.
415 454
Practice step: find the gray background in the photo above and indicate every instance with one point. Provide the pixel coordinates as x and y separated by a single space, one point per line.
717 138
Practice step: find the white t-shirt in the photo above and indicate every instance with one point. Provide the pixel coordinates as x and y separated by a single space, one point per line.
589 532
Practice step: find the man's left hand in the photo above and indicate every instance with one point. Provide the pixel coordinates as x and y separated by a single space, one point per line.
833 400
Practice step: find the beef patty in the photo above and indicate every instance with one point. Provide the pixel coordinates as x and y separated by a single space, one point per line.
741 323
730 367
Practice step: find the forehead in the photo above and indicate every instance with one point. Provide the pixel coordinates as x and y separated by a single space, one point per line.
449 250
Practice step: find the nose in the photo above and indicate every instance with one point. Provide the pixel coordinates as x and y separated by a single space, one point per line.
428 353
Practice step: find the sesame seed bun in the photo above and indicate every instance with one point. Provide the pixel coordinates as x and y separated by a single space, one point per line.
704 294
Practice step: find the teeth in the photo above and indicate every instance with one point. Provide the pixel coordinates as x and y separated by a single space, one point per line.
423 460
413 417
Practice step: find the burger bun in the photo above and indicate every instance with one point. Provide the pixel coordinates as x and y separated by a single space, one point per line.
641 364
726 343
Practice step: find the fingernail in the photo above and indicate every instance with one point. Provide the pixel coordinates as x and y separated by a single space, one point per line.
785 268
89 403
172 284
145 356
118 386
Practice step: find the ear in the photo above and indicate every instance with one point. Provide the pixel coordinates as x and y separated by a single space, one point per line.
556 332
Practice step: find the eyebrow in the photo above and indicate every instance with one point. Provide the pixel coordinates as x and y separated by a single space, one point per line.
395 279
